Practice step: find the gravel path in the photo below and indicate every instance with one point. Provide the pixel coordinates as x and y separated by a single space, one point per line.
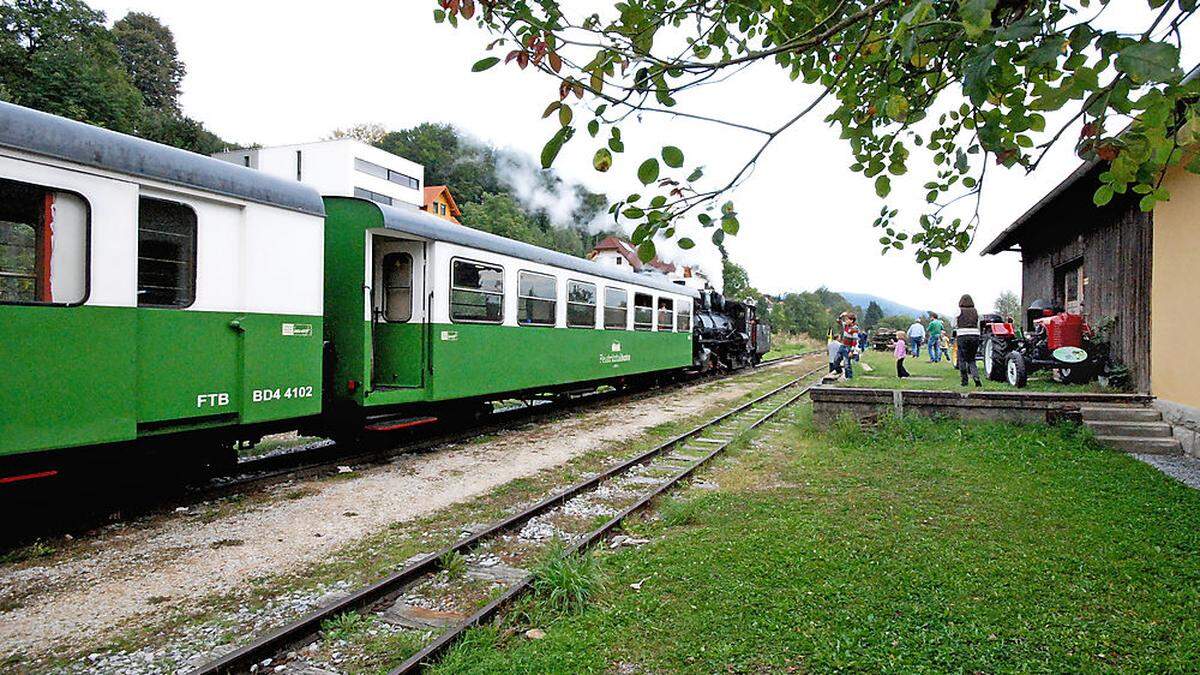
98 589
1182 468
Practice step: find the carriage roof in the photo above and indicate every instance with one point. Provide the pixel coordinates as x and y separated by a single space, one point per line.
422 224
60 138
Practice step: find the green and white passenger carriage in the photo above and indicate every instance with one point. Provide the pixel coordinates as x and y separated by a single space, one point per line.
147 291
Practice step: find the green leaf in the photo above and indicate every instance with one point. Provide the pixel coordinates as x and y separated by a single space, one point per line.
706 220
645 251
553 146
718 237
593 128
603 160
565 115
696 175
648 171
672 156
731 225
927 271
1104 195
483 64
685 243
1149 62
633 213
976 16
897 107
883 185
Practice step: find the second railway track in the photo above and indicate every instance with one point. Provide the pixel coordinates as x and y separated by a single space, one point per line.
496 554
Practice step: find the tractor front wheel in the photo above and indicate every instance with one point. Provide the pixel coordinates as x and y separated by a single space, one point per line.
993 359
1015 370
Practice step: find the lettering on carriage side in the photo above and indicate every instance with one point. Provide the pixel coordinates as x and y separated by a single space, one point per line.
616 357
297 329
280 394
449 336
212 400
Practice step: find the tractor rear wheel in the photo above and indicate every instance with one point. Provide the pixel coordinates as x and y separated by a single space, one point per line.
1015 370
993 359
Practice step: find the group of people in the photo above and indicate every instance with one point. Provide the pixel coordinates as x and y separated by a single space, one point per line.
847 341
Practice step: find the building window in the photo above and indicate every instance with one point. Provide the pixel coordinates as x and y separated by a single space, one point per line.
537 299
397 287
476 292
442 209
373 169
616 308
666 314
581 305
643 311
620 261
683 320
43 245
166 254
299 165
246 161
363 193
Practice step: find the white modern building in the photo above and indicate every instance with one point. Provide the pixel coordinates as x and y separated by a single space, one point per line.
343 167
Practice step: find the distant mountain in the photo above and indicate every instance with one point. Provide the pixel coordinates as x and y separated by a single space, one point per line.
889 307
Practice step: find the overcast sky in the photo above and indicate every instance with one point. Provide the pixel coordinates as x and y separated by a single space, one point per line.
276 72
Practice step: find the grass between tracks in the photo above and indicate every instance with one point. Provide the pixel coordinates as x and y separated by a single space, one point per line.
919 546
377 555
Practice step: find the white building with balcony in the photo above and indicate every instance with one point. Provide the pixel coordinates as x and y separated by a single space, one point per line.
343 167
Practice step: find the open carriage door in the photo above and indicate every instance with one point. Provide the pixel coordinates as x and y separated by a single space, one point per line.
399 314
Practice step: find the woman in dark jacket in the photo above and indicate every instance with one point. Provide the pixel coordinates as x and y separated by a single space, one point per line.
967 332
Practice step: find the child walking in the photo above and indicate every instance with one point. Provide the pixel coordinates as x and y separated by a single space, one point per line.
900 352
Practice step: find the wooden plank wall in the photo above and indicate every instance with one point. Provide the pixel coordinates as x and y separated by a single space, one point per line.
1115 245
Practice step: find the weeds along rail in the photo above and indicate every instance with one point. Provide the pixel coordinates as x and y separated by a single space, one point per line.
315 460
635 483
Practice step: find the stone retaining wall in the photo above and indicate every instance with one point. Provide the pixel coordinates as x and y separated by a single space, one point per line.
1185 424
1022 407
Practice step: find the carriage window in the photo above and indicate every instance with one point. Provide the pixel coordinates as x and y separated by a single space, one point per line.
43 245
581 305
166 254
397 287
683 320
643 311
666 314
476 292
537 299
616 308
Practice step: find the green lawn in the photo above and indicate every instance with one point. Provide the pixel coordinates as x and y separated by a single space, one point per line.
923 547
944 376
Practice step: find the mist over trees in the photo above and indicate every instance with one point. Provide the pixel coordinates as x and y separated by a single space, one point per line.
59 57
501 191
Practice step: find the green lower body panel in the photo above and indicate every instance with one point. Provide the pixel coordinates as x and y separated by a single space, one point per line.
474 360
67 376
79 376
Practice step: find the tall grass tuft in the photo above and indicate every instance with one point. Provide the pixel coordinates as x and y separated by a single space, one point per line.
566 583
454 563
680 512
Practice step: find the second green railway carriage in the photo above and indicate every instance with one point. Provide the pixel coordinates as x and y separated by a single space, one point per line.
420 310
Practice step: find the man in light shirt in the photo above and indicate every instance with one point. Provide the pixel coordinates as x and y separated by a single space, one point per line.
916 335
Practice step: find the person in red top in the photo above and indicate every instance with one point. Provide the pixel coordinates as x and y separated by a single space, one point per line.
849 340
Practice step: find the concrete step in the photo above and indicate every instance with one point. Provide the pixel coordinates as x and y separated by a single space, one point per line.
1114 413
1149 446
1138 429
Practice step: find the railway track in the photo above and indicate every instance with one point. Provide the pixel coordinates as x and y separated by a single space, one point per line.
311 461
495 554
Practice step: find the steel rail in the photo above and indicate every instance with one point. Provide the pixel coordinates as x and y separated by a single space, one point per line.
305 628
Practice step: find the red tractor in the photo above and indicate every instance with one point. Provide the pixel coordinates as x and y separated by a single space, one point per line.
1053 339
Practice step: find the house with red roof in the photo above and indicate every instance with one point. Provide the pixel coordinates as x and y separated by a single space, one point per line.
440 202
